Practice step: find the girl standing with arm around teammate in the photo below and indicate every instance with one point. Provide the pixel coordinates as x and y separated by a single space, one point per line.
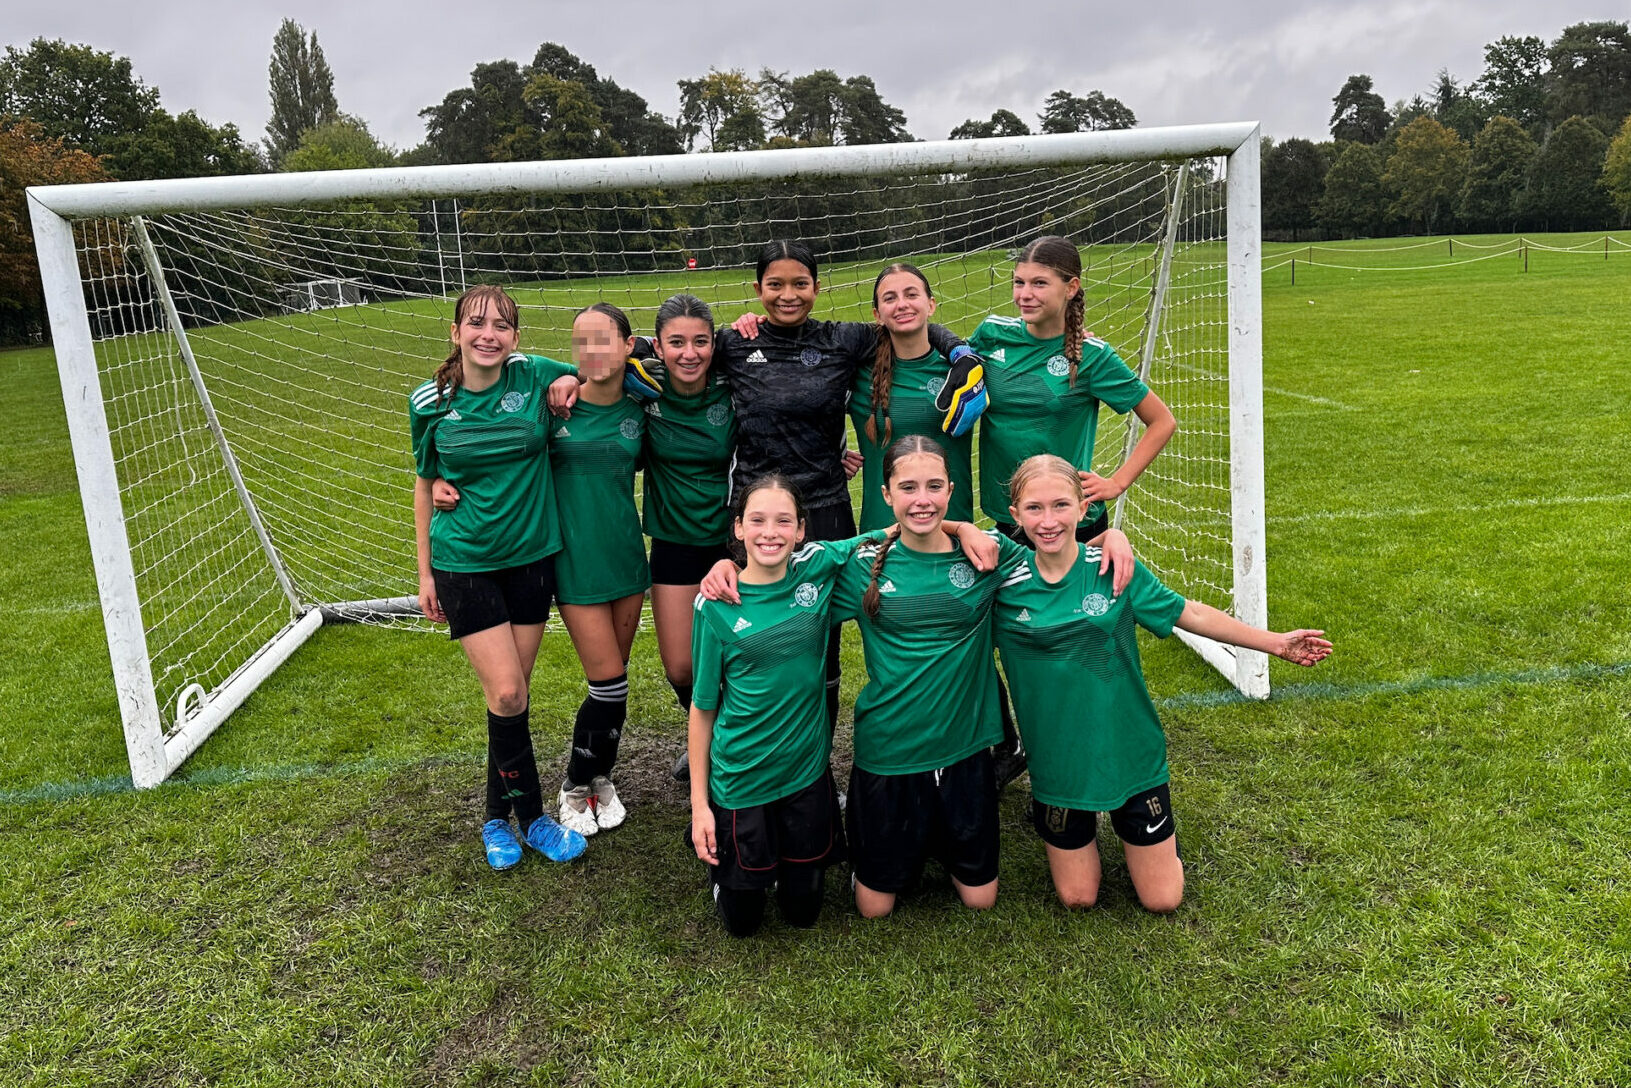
1046 379
690 437
601 573
487 569
894 394
1070 646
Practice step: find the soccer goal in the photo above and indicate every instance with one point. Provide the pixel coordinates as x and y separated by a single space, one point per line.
235 354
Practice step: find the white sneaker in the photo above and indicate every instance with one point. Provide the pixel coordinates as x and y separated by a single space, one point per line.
609 811
576 815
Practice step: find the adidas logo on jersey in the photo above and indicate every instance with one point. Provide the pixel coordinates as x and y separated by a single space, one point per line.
453 414
998 356
562 432
886 586
1024 615
653 409
741 625
757 357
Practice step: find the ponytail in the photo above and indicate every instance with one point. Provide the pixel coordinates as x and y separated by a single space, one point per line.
1075 317
872 600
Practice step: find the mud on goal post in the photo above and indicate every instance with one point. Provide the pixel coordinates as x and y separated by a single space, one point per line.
236 353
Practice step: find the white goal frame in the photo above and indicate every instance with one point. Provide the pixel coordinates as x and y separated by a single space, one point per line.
155 753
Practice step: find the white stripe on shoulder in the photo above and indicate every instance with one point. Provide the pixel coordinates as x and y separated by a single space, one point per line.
1095 341
1022 573
868 551
423 397
1002 319
1092 554
805 552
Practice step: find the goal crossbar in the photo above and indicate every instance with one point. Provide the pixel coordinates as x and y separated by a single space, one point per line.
156 749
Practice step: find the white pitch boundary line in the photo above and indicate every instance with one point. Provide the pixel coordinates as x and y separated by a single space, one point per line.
1533 502
1310 398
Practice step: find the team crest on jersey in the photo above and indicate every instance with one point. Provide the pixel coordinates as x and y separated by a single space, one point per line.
1095 604
809 356
453 414
629 429
1024 615
741 624
718 414
513 401
805 595
757 357
935 386
961 575
1058 366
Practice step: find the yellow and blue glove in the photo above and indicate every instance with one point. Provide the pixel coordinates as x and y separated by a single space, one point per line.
963 398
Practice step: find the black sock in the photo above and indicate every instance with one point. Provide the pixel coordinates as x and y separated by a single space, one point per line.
743 912
598 729
799 893
512 772
682 692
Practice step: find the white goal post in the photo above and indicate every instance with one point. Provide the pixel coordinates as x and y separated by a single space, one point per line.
235 354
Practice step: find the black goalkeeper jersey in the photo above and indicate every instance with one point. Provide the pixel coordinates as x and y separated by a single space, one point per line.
790 389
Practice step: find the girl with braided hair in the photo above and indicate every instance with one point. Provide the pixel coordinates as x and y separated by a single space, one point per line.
894 394
1046 378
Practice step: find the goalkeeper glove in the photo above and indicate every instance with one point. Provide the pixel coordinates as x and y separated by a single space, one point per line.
639 382
962 399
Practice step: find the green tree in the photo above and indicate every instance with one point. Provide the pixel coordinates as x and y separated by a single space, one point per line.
1427 169
624 115
1002 123
301 89
1066 112
470 123
87 98
1293 179
1492 196
1514 80
341 144
570 124
1457 108
1590 74
1360 114
1617 172
724 108
181 147
822 109
1355 201
1564 191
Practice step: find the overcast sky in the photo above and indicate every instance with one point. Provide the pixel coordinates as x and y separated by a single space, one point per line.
1274 61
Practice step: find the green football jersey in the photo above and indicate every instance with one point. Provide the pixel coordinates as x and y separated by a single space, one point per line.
931 693
594 456
493 445
689 442
1070 652
1034 409
762 665
913 385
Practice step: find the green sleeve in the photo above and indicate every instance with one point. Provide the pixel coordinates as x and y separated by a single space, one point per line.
980 341
420 428
1110 379
1155 607
545 370
1010 556
707 661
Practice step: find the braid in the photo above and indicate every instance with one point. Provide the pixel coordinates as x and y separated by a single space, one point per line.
1075 317
873 599
883 372
450 375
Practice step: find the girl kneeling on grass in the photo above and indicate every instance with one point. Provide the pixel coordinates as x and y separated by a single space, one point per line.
766 812
487 569
1070 649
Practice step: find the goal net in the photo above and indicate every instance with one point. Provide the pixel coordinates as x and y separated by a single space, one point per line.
236 354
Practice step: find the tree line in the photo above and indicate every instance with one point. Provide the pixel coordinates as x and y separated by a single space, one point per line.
1541 140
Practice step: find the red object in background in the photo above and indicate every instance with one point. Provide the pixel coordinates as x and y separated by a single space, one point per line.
690 262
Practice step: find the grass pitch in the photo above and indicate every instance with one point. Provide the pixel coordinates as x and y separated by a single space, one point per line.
1407 868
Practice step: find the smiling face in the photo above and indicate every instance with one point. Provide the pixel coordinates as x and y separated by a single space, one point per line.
1048 509
902 303
769 529
918 491
686 347
484 336
598 347
787 291
1041 293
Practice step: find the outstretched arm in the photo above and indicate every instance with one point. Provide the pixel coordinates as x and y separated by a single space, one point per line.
428 603
699 742
1300 647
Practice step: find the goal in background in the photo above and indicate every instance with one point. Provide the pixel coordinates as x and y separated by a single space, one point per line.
235 354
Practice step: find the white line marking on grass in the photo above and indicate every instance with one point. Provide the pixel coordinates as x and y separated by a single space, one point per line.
67 608
1529 502
1285 693
1310 398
